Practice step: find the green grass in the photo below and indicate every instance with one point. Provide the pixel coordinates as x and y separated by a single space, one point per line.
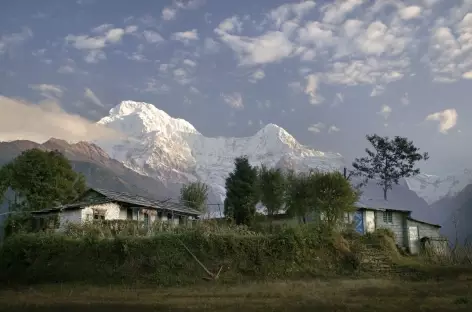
316 295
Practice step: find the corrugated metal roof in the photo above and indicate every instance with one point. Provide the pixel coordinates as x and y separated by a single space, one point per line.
146 202
378 204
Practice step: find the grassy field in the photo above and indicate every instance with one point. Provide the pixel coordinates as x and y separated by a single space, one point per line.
333 295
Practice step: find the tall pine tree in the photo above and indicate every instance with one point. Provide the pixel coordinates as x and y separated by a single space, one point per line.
242 192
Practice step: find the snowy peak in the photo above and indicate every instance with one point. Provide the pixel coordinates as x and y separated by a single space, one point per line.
138 118
172 150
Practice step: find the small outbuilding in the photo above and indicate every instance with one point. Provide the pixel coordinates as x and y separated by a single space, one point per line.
409 232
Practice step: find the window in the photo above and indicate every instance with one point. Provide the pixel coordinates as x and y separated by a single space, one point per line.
98 216
159 215
146 218
388 217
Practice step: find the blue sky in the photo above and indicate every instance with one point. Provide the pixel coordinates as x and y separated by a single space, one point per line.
328 72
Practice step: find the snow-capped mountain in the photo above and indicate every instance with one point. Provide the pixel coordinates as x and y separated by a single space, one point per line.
432 188
171 149
174 152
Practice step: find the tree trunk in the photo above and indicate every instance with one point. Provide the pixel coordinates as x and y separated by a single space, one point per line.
385 193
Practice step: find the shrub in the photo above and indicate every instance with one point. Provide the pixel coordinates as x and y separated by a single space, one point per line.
162 259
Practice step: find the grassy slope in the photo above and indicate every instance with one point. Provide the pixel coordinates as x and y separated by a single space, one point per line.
334 295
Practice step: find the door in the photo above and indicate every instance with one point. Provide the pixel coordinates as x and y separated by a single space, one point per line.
146 219
359 222
414 239
370 221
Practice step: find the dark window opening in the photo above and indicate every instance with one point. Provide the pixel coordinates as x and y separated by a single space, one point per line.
146 218
129 214
169 216
159 214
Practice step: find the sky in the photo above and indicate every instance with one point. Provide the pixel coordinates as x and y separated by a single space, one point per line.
329 72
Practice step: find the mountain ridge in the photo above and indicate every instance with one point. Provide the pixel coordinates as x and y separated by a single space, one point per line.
171 149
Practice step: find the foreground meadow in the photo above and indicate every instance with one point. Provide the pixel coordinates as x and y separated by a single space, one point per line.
315 295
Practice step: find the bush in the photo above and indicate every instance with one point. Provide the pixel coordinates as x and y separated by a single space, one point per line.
162 259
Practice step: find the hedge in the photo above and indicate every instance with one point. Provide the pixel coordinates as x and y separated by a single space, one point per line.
163 260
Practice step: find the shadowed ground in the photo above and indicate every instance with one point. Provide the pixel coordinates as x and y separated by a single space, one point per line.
335 295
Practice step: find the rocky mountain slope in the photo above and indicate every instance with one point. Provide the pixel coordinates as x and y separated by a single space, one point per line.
99 169
456 214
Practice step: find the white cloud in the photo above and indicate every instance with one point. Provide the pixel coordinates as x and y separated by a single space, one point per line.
190 63
316 34
185 36
152 36
169 13
447 119
68 68
94 45
410 12
235 100
48 91
155 86
88 94
256 76
268 48
311 89
12 41
231 25
291 12
368 71
450 49
467 75
385 111
336 12
102 28
40 122
377 90
333 128
95 56
131 29
181 76
316 128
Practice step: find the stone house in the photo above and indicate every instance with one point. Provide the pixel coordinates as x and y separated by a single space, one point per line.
100 204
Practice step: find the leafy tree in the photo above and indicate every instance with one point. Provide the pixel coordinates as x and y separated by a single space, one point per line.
299 199
241 192
334 196
272 189
194 195
391 160
40 179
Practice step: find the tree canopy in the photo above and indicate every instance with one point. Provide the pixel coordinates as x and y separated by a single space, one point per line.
390 160
299 199
334 197
272 189
194 195
40 179
242 193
